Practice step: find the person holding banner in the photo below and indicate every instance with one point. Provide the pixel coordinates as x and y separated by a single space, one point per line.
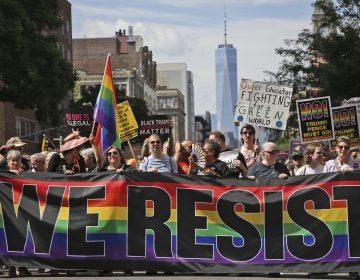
183 156
114 160
233 158
90 160
157 161
37 162
214 166
314 158
269 166
343 162
69 161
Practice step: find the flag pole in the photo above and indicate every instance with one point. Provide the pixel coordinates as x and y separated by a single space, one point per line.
98 96
132 152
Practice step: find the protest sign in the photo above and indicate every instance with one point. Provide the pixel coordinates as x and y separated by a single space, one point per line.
315 119
78 117
265 105
346 123
128 127
159 124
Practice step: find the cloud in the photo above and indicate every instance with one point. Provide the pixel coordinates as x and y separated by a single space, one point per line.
167 40
195 3
192 38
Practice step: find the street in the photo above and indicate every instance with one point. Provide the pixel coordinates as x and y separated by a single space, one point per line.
179 276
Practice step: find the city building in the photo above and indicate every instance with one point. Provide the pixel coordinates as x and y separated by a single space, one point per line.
23 123
171 103
177 76
226 89
134 71
202 128
318 16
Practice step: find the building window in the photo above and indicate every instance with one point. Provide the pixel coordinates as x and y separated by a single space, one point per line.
61 49
161 103
168 102
27 129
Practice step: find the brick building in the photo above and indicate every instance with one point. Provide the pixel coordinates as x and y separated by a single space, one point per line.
134 70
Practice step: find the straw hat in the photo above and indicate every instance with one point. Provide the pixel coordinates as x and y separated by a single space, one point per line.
72 141
14 142
73 144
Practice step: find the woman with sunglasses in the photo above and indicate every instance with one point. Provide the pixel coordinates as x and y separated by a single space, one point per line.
114 159
314 158
268 166
249 148
343 162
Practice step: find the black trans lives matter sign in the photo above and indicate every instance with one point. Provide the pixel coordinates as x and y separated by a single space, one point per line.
159 124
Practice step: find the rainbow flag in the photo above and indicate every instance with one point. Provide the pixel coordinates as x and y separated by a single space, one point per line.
105 112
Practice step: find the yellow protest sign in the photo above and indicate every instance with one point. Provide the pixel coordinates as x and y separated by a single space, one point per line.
128 127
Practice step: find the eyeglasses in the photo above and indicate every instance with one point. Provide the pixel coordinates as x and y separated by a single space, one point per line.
248 132
114 153
343 147
273 152
154 142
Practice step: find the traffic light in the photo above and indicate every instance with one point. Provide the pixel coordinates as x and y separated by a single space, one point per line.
45 144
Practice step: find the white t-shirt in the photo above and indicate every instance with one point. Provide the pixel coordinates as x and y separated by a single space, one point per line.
308 170
164 164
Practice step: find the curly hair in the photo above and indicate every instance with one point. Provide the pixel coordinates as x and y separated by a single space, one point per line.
121 154
213 146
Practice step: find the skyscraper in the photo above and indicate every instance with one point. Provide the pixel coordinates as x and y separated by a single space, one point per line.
226 88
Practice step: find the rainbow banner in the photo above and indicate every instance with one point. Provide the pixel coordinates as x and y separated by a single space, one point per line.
182 223
105 112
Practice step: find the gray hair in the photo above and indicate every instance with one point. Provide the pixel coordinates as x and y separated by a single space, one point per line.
38 157
88 153
13 154
265 147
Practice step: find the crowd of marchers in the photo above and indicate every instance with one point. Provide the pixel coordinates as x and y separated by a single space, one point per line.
214 158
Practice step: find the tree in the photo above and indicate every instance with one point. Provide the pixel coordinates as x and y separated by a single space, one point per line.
33 74
90 93
328 62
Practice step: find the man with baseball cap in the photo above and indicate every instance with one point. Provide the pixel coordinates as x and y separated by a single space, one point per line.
15 143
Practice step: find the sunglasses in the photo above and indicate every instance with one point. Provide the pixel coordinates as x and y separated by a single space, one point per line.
248 132
297 158
343 147
273 152
115 153
154 142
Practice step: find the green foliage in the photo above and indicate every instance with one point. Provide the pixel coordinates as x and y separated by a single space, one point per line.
32 73
283 143
90 93
326 63
328 60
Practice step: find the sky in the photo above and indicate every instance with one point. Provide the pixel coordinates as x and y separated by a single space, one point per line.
189 31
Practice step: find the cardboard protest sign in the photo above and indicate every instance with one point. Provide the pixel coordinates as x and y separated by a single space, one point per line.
346 123
77 117
265 105
315 119
159 124
128 127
